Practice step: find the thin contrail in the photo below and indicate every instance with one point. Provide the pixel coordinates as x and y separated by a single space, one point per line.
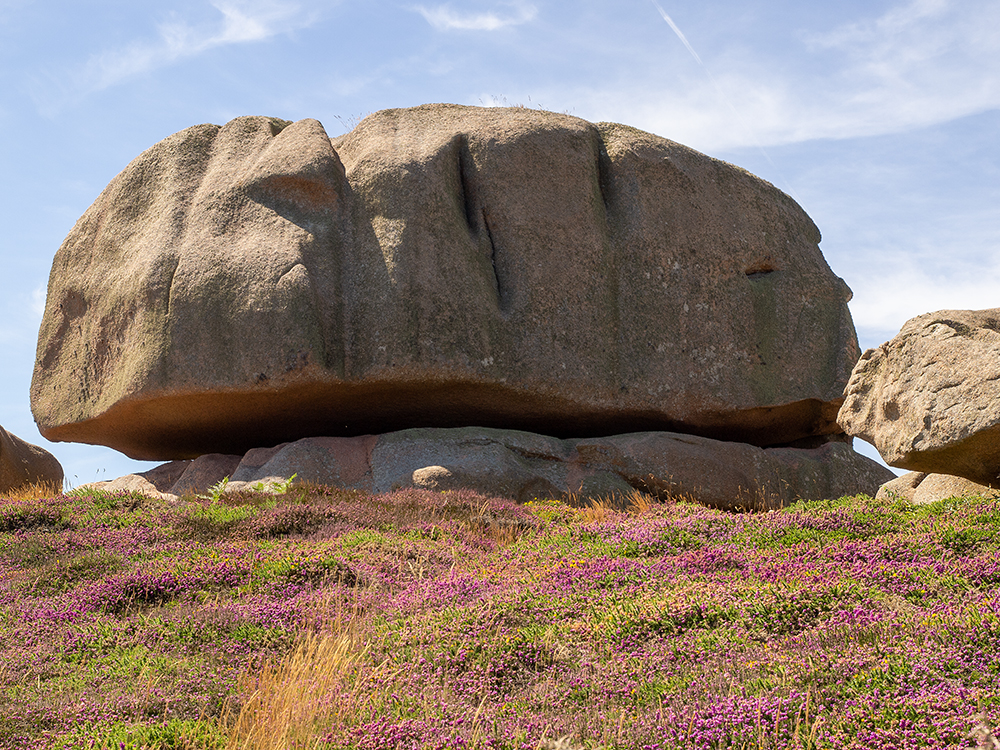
723 97
677 31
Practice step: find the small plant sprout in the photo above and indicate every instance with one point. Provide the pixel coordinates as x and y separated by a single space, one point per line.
215 491
274 488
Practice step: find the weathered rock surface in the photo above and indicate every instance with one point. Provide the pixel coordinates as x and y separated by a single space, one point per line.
929 399
205 471
903 487
524 466
921 488
22 463
441 266
130 483
165 476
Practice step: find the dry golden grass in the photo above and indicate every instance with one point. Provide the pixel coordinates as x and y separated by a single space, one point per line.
290 703
34 491
597 511
639 503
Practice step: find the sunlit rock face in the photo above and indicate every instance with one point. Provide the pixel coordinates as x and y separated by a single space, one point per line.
928 399
23 464
441 266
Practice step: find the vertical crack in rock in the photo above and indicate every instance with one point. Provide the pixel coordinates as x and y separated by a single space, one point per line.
502 295
468 196
603 172
614 262
465 186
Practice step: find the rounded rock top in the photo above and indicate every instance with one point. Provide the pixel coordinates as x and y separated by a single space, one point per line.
439 266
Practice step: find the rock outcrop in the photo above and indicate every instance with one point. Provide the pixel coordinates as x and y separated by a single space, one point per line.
929 399
441 266
130 483
920 488
524 466
22 464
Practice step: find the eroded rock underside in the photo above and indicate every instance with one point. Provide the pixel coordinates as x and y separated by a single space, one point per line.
441 266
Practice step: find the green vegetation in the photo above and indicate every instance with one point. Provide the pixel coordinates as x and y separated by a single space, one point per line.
321 618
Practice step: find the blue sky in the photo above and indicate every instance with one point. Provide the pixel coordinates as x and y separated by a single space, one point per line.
881 118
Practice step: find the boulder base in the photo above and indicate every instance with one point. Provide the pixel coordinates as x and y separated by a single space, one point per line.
440 266
525 466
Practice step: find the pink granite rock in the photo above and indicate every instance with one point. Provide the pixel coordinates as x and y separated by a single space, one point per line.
440 266
22 463
920 488
929 399
525 466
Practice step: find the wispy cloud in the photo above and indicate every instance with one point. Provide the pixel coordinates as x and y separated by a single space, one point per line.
928 256
238 22
921 63
917 64
884 301
37 304
443 18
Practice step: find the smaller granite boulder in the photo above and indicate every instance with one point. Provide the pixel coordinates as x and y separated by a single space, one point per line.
732 476
129 483
507 463
22 464
921 489
204 472
165 476
335 461
929 400
901 488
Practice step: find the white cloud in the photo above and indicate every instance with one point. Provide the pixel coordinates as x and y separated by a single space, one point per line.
918 63
883 34
242 21
889 295
921 63
443 18
37 304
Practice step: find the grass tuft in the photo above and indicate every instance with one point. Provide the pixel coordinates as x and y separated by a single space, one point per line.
291 703
33 491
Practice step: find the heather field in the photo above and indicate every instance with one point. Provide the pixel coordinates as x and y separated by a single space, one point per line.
325 618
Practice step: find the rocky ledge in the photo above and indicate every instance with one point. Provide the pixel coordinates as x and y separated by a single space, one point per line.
527 466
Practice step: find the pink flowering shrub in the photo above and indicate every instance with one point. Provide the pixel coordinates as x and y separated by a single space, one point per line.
334 619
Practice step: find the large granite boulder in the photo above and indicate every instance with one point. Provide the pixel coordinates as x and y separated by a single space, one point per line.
929 400
22 464
524 466
440 266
